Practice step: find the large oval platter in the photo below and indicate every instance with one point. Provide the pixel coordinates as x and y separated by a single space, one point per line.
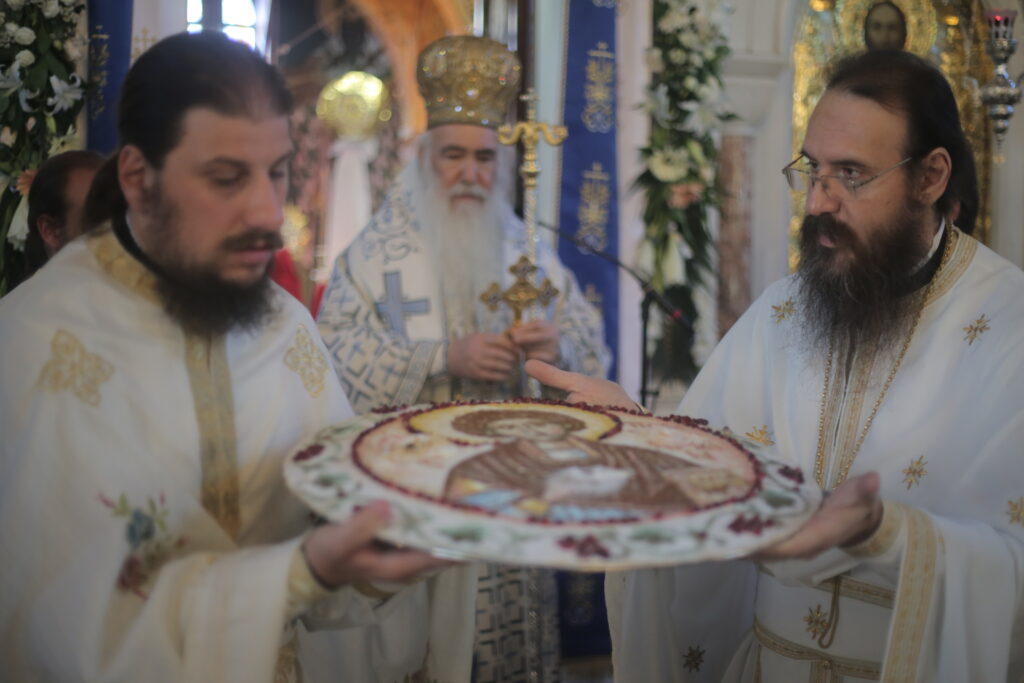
554 484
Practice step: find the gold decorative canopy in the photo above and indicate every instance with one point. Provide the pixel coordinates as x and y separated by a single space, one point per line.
467 79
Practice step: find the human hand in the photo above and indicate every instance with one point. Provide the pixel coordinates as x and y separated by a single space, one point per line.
846 517
581 389
538 339
483 356
340 554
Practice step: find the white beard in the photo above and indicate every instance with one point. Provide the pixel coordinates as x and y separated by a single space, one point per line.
466 245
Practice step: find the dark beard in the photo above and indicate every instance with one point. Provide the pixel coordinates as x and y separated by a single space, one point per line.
194 295
861 302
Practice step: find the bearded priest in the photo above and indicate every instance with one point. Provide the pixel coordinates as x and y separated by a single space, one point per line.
890 368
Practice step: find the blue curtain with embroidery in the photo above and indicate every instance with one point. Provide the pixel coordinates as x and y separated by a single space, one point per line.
588 209
110 43
588 205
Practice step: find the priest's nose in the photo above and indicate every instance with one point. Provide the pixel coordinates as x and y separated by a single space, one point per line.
819 199
265 206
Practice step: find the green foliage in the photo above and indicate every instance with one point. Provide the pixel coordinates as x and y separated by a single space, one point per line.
40 97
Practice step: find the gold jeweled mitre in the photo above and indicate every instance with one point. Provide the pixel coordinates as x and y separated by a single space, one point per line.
467 79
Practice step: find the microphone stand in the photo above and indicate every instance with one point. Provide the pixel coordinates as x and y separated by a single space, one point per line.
651 296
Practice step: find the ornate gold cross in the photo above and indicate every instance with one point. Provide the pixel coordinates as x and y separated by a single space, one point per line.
529 133
522 293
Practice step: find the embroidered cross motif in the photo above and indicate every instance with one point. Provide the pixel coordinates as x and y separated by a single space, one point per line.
760 435
817 621
74 369
393 308
783 311
694 658
976 329
304 358
914 471
1016 511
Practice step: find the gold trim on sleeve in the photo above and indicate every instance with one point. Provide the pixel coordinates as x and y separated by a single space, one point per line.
369 590
885 535
913 597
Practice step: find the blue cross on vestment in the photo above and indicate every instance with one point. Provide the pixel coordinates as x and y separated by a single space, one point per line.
393 308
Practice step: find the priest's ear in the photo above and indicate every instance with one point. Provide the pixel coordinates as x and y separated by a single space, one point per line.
933 175
137 178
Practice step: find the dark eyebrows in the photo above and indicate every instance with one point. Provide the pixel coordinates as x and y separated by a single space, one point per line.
239 165
837 162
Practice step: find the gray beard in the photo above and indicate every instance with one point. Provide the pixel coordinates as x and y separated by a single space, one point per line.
466 245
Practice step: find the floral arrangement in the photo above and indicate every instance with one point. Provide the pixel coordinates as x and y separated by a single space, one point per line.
40 97
680 178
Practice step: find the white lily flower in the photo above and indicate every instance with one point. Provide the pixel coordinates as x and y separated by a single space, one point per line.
24 96
673 270
644 261
654 61
18 230
65 94
669 165
24 36
10 80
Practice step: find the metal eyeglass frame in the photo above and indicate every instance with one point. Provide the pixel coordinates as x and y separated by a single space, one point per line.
812 178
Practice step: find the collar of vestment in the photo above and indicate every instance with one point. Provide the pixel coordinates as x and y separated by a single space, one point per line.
122 259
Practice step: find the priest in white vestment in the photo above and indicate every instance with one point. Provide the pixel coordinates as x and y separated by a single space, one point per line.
404 323
154 381
891 369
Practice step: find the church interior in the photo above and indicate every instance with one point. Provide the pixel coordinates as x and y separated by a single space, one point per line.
645 144
710 231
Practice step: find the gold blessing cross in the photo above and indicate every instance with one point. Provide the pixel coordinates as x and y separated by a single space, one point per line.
522 293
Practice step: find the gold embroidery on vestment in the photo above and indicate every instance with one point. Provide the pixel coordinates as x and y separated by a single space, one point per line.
913 601
1016 511
760 435
784 310
843 666
914 471
210 378
694 658
976 329
72 368
817 621
305 359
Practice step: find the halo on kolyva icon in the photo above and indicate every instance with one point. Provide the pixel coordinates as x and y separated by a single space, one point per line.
473 423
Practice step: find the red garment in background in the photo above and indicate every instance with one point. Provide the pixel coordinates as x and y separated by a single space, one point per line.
285 274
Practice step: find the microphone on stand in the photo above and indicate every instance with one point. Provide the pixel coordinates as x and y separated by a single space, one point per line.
645 284
650 294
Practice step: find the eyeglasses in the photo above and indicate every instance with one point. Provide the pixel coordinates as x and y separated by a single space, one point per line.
802 179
